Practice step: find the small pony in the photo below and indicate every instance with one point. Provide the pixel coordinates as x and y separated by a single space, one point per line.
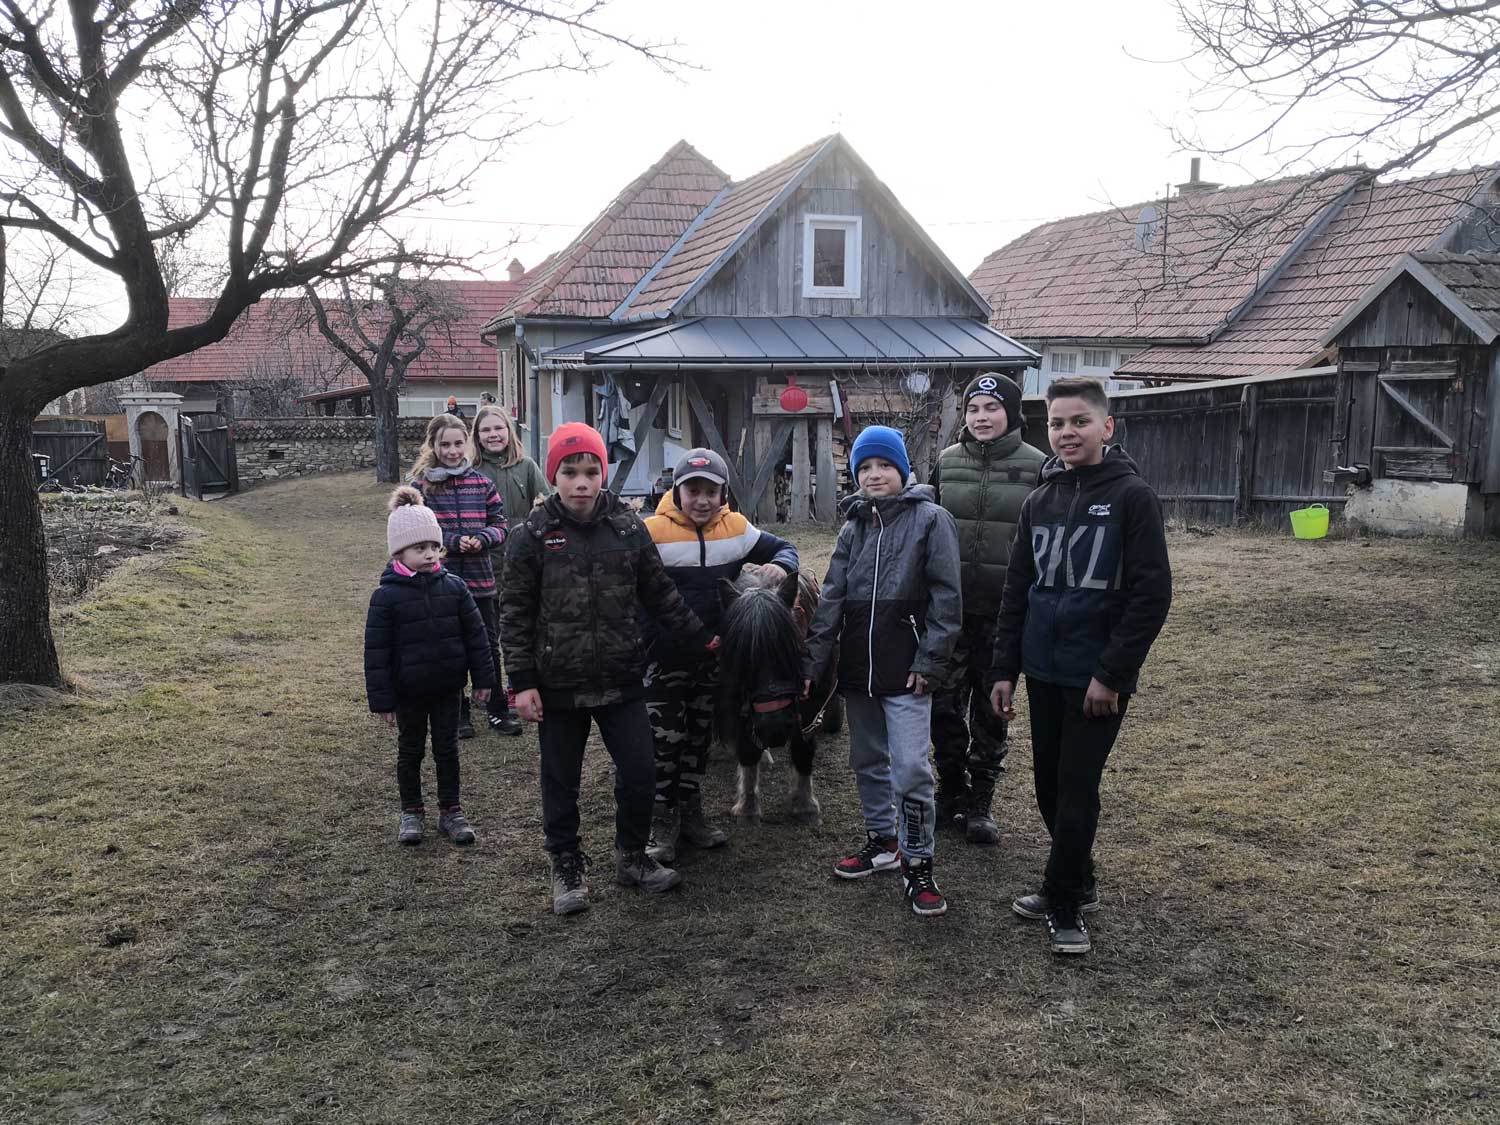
762 641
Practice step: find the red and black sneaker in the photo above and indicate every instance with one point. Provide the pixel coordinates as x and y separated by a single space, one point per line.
921 888
878 854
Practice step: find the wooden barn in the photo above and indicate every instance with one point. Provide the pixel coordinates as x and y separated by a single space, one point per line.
767 318
1419 374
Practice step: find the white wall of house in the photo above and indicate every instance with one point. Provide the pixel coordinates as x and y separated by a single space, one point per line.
426 397
1099 362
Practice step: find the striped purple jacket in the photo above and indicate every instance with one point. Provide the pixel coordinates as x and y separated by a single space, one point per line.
468 506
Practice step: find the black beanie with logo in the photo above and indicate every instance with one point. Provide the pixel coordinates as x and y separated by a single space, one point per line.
999 386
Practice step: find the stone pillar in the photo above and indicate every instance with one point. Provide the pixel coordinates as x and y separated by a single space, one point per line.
168 406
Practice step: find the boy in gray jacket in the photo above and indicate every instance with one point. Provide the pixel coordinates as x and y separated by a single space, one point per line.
891 603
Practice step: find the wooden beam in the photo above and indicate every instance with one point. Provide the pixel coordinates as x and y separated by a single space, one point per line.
715 439
825 504
1244 453
768 462
801 470
1416 415
1490 441
642 430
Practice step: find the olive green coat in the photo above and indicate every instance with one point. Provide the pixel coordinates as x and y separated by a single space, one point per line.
983 486
518 485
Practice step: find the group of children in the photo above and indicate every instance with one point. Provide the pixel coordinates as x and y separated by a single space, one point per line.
937 598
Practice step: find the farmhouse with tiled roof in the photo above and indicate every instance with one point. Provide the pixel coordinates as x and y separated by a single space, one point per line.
750 316
1214 284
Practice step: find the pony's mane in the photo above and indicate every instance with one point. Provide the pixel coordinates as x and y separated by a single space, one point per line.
759 636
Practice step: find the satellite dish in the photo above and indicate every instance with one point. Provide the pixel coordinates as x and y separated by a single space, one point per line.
1145 227
917 383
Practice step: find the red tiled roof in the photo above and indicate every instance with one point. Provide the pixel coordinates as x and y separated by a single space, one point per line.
1087 278
1284 328
273 337
735 212
603 264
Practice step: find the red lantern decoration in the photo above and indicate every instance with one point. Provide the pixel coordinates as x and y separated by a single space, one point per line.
794 398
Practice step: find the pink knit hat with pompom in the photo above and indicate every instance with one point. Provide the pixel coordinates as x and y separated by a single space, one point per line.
411 521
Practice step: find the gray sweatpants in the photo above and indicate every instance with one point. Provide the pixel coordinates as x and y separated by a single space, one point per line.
888 741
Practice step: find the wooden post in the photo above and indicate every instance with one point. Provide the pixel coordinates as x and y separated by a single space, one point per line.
826 501
801 469
765 507
747 434
1244 454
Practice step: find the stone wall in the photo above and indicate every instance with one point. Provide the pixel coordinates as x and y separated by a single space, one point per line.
271 448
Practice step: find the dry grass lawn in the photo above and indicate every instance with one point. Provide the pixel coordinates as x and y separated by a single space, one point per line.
208 919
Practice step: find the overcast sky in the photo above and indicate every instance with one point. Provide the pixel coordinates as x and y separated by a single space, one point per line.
985 118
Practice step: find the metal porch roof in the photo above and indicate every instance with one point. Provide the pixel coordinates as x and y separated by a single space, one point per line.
822 341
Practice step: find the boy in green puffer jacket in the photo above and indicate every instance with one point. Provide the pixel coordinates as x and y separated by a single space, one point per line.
982 481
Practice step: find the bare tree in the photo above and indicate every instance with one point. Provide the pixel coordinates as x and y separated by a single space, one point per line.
383 337
1405 78
291 133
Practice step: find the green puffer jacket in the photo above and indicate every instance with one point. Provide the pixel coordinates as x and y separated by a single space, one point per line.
517 484
983 486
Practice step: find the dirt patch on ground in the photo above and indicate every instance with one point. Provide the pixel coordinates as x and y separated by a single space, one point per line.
91 532
209 919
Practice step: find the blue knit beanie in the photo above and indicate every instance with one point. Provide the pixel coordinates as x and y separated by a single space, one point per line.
880 441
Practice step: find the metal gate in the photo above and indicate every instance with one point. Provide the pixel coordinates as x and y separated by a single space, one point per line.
208 462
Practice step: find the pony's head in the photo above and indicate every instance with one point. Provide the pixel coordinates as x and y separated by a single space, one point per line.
760 663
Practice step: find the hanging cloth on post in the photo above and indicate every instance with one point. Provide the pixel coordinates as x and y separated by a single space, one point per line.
612 418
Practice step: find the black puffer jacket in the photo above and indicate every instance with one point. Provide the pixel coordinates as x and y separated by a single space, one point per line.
1090 594
423 636
572 594
890 599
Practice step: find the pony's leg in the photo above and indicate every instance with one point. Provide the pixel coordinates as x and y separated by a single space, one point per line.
805 807
747 793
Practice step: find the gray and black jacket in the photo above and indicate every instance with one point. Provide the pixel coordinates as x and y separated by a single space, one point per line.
891 597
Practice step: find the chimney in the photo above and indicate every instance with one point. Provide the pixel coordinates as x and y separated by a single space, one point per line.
515 269
1195 186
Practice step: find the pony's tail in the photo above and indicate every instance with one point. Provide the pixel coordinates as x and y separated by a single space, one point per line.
403 496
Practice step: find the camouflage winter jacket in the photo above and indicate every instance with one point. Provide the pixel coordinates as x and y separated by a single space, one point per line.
571 598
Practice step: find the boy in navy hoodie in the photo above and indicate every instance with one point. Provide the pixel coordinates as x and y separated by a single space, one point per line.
1080 610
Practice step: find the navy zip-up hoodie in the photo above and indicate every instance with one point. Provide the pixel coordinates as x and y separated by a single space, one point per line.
1090 596
423 636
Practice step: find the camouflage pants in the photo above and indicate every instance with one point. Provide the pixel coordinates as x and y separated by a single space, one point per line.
680 703
968 754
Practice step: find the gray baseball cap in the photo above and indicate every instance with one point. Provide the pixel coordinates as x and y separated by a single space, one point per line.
703 463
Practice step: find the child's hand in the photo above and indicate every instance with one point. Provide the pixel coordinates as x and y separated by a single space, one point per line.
389 717
481 695
917 683
1099 701
1002 700
529 705
713 645
806 689
468 544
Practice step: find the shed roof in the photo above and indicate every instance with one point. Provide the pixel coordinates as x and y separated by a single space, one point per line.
1109 275
1286 326
1468 285
595 272
826 341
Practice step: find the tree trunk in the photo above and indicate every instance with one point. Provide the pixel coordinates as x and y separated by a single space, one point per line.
28 654
387 435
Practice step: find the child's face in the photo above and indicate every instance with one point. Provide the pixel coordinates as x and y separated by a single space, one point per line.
451 447
420 557
1078 431
878 477
578 483
494 434
986 418
701 499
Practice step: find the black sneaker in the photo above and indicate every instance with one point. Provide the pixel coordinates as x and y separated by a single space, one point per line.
1067 932
1035 906
505 724
465 723
570 889
878 854
922 889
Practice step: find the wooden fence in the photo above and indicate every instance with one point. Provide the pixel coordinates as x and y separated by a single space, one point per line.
1229 451
76 450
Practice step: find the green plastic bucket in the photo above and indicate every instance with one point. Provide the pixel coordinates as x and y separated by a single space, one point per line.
1310 523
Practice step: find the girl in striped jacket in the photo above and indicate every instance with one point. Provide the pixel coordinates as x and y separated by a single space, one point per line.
472 516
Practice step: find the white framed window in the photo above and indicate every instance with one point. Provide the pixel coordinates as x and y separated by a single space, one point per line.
831 255
1096 358
676 408
1065 363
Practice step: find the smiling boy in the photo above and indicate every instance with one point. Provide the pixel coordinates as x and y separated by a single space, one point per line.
1086 593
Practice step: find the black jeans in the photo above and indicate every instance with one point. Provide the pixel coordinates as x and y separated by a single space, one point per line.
413 716
1068 752
627 736
489 611
972 751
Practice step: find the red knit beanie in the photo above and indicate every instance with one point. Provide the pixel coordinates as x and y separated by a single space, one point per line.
571 438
